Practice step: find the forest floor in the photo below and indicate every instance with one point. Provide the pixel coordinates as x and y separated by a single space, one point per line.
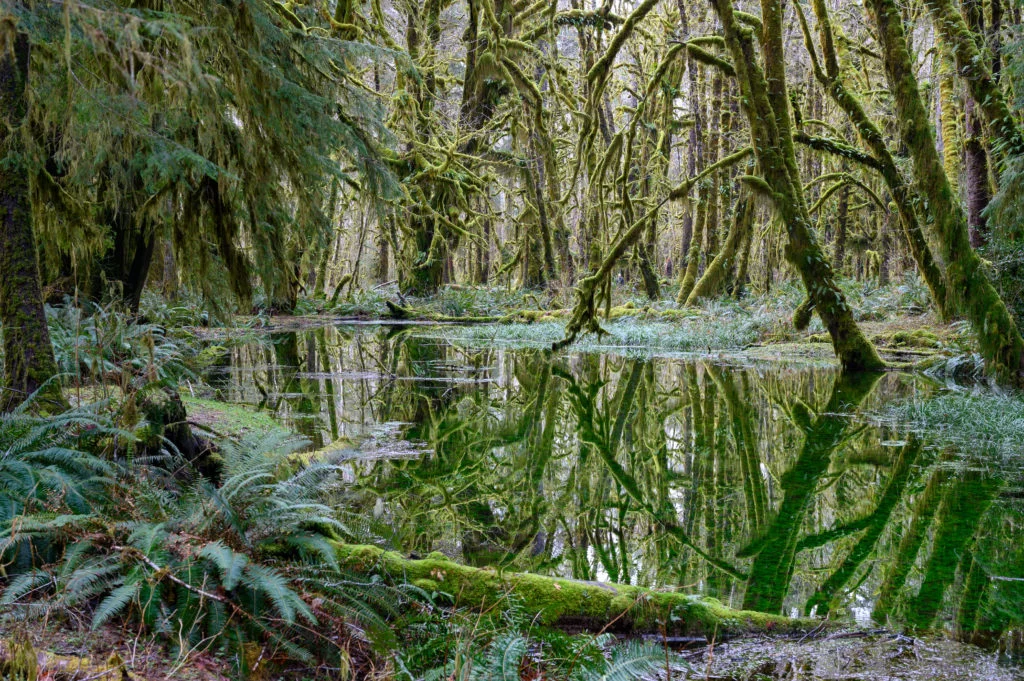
68 651
77 653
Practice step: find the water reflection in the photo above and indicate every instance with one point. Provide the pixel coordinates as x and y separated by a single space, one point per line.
762 486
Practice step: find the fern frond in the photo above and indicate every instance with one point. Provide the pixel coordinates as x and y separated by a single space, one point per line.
24 584
635 660
227 561
115 603
269 582
503 658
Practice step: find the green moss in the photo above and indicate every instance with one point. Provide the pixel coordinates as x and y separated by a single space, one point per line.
232 420
918 338
562 602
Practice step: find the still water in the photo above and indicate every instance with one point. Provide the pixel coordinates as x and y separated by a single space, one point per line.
773 486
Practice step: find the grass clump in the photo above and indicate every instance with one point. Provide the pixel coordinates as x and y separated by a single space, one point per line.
977 422
726 328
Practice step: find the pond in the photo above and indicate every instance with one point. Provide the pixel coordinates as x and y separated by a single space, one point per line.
772 486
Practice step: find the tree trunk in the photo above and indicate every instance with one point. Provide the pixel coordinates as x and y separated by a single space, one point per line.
871 135
28 354
976 71
721 267
767 106
949 111
1000 340
978 191
842 224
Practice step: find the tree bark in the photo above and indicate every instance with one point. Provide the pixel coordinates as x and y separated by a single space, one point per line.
29 362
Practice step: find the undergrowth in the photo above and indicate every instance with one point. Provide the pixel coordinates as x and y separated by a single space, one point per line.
979 422
244 568
638 324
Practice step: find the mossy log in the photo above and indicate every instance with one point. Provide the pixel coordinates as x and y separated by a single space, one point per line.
20 660
414 314
567 603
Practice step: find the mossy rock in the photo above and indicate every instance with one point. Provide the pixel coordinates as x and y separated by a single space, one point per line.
916 338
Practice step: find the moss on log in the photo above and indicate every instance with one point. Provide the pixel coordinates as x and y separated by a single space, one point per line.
20 660
566 603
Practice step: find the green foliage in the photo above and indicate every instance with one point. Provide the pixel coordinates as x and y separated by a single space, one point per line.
43 468
974 422
1005 249
203 566
95 344
486 648
727 328
208 124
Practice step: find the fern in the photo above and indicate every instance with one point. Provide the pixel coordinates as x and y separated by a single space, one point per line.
633 660
265 580
503 659
25 584
240 562
115 603
230 563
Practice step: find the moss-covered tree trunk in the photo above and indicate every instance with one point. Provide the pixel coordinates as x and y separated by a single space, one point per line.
721 267
766 102
694 244
28 355
127 261
842 228
694 152
999 338
978 75
950 111
903 196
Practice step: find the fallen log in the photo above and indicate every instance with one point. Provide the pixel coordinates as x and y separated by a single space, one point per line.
567 603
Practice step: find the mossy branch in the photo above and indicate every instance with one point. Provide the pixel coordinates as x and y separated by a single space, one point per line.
838 148
704 57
